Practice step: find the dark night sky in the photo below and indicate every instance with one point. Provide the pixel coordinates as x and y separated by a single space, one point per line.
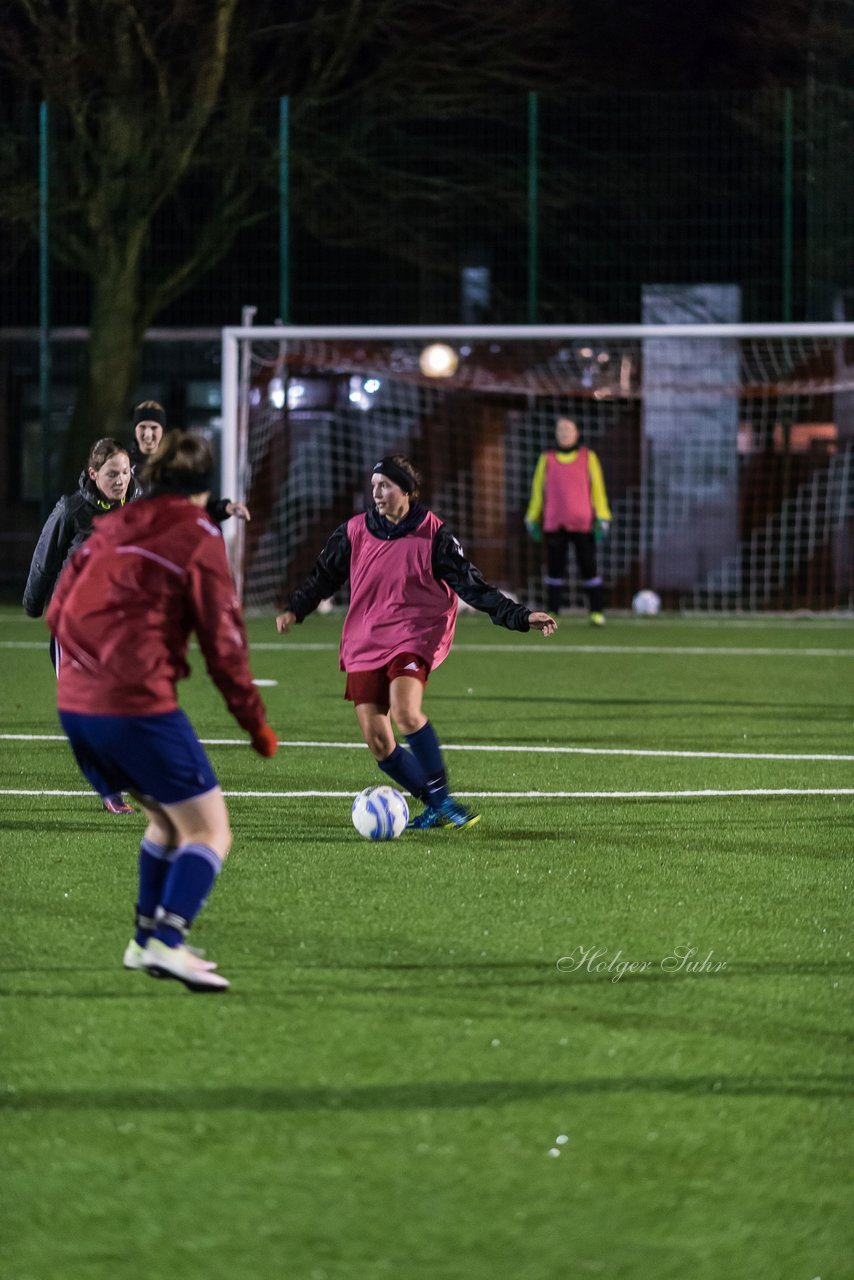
687 44
583 45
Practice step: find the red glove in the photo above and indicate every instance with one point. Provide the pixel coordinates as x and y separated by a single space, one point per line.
265 741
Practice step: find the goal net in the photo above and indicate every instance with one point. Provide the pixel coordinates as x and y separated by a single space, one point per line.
727 451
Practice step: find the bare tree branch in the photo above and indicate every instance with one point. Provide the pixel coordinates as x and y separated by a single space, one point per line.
156 107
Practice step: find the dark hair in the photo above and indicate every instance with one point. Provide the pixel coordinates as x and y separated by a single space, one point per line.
404 465
101 452
183 463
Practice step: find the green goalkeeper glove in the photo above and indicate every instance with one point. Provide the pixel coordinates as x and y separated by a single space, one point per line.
535 533
601 528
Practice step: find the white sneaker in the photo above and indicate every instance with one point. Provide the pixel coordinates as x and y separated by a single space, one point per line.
134 957
180 963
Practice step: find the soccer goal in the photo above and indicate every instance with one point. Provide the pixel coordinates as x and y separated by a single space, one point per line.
727 450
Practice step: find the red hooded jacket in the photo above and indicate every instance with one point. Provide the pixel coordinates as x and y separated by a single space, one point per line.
127 602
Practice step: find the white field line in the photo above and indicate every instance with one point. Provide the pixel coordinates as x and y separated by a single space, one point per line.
511 795
503 748
10 615
546 647
713 651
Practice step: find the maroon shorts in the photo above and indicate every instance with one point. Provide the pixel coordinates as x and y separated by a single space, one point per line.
373 686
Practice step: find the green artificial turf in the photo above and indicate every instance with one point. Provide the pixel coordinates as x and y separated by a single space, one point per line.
413 1025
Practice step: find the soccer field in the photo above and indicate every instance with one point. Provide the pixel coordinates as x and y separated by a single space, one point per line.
606 1032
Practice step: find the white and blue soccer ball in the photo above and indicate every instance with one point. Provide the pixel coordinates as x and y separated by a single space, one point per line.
380 813
647 603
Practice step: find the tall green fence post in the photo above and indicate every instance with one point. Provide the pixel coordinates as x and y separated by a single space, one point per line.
284 212
44 308
788 194
533 213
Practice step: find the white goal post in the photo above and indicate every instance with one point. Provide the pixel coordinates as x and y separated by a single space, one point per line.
695 425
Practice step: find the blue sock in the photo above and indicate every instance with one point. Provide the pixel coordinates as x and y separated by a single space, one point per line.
190 879
403 768
428 753
154 862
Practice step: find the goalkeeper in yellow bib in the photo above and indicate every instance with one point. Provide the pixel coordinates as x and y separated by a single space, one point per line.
569 505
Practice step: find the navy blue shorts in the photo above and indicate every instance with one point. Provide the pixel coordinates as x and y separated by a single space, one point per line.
154 757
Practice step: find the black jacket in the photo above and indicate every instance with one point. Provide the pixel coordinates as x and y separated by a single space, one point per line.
332 570
216 507
68 525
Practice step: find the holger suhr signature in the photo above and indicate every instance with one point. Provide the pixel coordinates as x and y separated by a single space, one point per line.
681 959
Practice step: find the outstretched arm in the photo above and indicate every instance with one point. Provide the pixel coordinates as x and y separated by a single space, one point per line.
451 566
220 509
331 570
542 622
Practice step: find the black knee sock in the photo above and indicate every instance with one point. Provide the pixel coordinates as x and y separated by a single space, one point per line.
403 768
428 753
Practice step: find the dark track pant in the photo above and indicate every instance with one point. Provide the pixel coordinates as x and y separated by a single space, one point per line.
557 548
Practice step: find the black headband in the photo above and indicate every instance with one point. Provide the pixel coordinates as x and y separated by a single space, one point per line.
388 467
184 482
149 415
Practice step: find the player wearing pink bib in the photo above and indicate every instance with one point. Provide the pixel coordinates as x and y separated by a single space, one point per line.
405 570
569 505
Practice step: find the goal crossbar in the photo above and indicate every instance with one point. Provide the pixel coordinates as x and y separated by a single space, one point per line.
666 412
232 335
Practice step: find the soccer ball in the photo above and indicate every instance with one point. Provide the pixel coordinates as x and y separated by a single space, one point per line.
646 603
380 813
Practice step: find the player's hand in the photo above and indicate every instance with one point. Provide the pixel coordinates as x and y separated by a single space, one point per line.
601 529
542 622
238 509
265 741
535 533
285 621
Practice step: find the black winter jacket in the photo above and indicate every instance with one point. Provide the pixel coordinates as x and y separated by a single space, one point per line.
332 570
68 525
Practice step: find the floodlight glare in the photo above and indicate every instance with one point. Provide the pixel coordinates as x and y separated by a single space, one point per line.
438 360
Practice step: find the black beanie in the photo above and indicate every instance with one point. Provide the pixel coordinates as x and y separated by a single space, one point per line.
149 415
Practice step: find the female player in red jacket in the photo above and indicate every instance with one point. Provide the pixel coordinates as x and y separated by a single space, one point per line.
123 613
